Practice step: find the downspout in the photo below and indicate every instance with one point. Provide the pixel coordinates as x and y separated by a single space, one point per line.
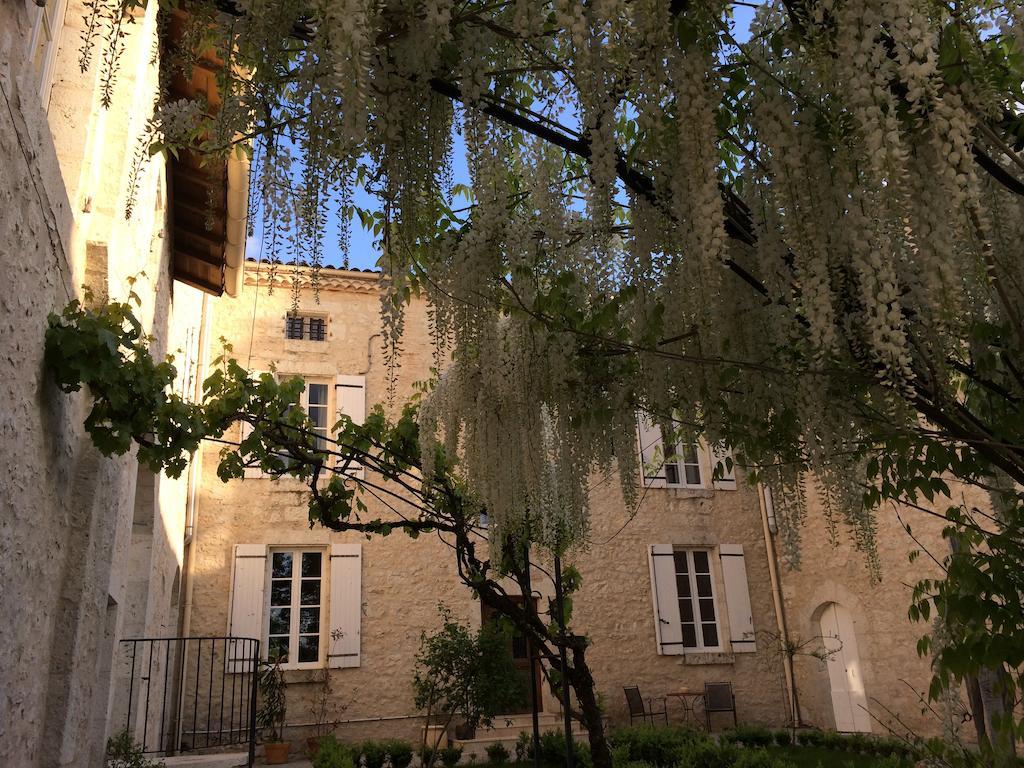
194 479
764 500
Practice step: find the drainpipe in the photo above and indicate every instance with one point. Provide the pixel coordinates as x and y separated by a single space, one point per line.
764 499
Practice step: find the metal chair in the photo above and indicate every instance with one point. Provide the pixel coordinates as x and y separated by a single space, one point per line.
643 708
718 697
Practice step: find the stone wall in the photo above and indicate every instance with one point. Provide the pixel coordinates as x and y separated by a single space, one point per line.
65 511
895 677
403 579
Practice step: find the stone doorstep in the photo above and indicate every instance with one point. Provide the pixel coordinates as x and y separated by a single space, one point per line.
509 735
223 760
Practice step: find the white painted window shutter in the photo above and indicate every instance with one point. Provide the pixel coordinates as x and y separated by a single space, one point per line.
350 400
652 452
668 627
719 453
245 617
346 605
737 599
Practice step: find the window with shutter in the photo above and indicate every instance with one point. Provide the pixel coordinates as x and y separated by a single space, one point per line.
350 400
665 465
685 600
45 43
346 606
737 599
245 614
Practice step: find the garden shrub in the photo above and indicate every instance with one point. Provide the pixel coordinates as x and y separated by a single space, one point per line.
427 755
374 752
783 738
759 758
523 744
400 751
497 753
858 742
811 738
832 740
333 754
750 736
123 752
552 750
660 746
450 756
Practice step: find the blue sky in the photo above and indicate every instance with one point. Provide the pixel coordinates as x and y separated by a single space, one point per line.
362 252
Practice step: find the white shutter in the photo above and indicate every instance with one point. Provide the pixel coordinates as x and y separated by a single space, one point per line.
350 400
719 453
245 617
652 453
346 605
737 599
668 627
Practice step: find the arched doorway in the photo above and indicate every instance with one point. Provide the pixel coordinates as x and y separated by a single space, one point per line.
849 701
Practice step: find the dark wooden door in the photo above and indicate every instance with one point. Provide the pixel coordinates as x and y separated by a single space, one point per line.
519 650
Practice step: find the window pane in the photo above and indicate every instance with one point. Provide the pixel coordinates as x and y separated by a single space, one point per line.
310 592
681 563
689 636
686 610
692 474
700 562
309 648
317 394
311 564
683 585
672 474
280 621
707 610
710 635
282 565
703 585
688 452
281 592
317 329
293 327
309 621
277 648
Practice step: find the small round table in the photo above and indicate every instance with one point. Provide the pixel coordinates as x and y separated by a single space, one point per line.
689 699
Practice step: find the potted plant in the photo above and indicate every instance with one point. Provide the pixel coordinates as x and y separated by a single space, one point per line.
270 716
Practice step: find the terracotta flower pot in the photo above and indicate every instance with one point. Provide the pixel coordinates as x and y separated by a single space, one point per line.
276 752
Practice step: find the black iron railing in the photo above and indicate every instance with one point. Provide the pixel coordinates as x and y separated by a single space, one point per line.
189 693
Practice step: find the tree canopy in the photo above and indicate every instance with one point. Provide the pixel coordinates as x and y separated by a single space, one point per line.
798 237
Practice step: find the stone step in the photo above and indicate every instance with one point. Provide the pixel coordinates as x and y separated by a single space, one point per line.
508 736
222 760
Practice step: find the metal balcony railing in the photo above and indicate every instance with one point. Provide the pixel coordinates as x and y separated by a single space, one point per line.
188 693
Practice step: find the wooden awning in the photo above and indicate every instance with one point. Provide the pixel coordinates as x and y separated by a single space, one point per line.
208 196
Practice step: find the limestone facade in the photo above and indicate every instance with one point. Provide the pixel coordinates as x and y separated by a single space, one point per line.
90 545
403 580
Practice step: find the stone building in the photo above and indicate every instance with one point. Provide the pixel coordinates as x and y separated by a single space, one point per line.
355 643
92 547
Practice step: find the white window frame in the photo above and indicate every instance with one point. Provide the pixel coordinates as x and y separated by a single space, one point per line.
51 28
679 465
295 606
695 601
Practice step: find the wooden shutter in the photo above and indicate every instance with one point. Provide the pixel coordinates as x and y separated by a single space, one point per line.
346 605
652 453
667 625
737 599
719 453
350 400
245 617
